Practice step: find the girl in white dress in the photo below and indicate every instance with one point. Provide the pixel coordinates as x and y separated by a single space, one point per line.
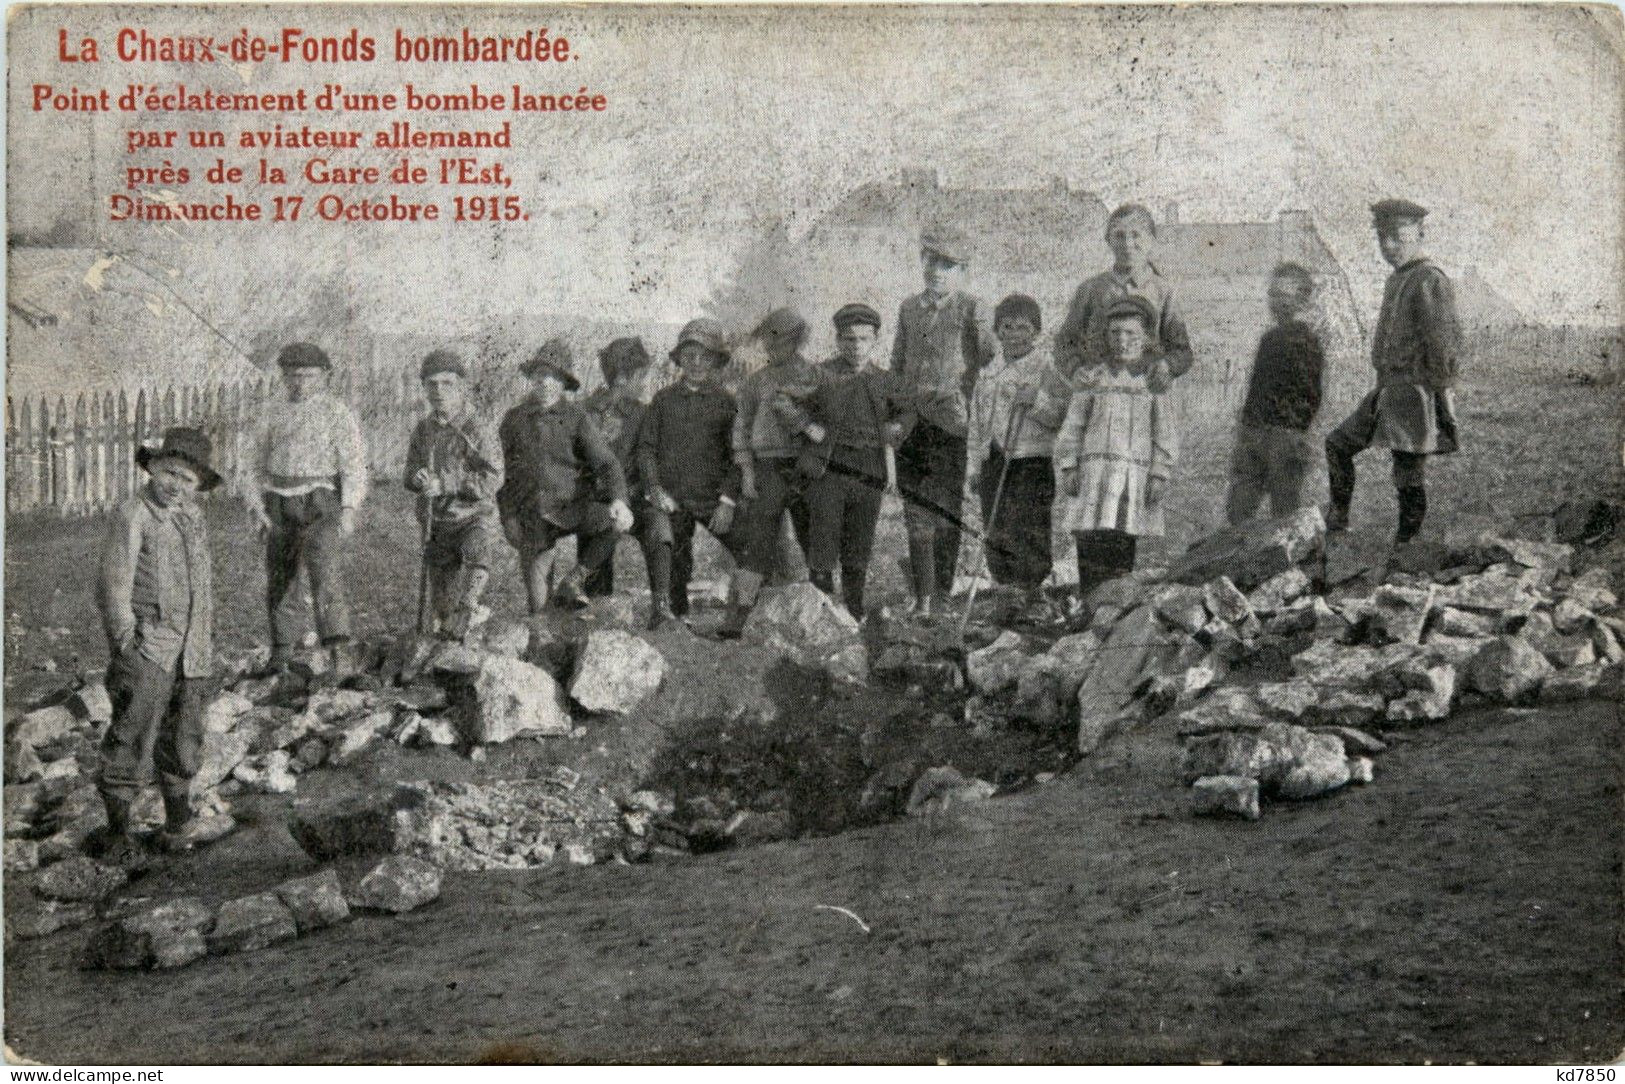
1116 450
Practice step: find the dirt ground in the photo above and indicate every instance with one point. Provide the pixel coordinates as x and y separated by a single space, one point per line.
1467 906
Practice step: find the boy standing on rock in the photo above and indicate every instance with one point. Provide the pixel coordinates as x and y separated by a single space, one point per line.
941 345
156 602
311 478
1416 350
454 464
685 458
552 454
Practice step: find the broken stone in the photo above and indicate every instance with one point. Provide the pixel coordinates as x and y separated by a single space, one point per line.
1568 616
507 824
310 753
398 884
1399 613
1362 770
1463 623
43 726
848 665
1348 707
1299 616
1253 552
222 752
1286 759
1554 555
511 698
21 855
801 621
1493 591
1594 589
616 672
315 901
1182 607
268 774
63 768
1286 699
1575 683
249 923
1429 702
422 698
221 713
942 787
91 703
1138 648
78 879
651 801
1225 795
158 935
1315 774
1508 669
352 739
1278 592
22 763
998 666
1225 601
1605 643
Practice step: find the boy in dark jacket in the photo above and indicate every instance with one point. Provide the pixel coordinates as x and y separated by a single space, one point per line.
685 458
617 407
1274 450
552 454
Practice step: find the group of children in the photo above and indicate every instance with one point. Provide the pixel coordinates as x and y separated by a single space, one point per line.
1086 432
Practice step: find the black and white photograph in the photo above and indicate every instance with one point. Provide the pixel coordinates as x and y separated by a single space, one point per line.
835 534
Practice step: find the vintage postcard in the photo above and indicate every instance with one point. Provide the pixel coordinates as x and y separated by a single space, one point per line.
862 534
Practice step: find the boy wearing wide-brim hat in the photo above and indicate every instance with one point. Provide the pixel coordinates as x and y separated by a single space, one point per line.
685 458
454 464
617 406
553 454
1416 350
767 438
941 343
310 478
155 595
859 412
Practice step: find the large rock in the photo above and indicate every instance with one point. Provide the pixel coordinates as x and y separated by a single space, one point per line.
1225 601
802 622
997 666
1279 591
23 765
1576 683
1285 759
1605 643
1494 591
268 774
1253 552
249 923
510 698
91 703
1529 554
1508 669
27 921
1347 707
159 935
616 672
1429 698
1138 648
352 737
398 884
222 752
1594 589
1463 623
314 901
1225 795
221 713
1183 607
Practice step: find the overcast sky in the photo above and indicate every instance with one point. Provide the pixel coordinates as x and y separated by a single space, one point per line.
1506 121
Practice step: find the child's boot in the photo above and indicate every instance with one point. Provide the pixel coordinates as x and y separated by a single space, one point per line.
745 586
1413 509
1340 480
181 831
852 579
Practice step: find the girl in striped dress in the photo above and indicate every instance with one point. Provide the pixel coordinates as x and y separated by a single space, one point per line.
1116 450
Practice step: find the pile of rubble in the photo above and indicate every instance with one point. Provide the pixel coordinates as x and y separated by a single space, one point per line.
1277 690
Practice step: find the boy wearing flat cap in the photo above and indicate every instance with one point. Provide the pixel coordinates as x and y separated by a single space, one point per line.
940 345
310 478
1416 350
553 454
454 464
155 597
767 438
1131 234
857 415
685 457
617 407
